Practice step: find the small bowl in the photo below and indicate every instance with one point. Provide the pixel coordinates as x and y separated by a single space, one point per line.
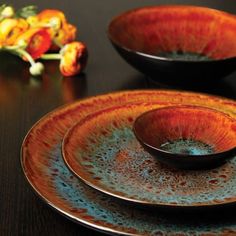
177 45
187 137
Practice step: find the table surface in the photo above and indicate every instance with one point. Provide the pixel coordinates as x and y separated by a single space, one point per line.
24 100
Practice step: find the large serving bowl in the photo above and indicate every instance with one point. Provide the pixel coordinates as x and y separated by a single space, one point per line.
177 44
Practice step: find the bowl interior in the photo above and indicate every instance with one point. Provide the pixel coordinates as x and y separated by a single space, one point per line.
189 130
176 32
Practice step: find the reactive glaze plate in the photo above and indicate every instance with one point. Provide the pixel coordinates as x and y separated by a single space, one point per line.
102 150
46 172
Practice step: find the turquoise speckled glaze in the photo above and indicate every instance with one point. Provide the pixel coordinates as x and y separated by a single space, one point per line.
184 56
46 172
102 208
187 146
103 151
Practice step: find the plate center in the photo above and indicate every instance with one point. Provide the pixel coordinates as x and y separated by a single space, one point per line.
187 146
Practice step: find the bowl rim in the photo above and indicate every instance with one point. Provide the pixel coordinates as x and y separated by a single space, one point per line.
162 58
180 155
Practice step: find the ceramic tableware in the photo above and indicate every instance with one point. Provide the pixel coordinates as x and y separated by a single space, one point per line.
103 152
177 44
46 172
187 137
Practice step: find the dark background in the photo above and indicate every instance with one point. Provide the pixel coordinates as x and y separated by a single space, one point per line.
23 100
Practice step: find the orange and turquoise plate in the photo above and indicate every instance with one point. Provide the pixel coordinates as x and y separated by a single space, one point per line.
46 172
103 152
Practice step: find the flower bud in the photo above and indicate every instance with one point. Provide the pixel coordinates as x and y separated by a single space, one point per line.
7 12
73 58
36 69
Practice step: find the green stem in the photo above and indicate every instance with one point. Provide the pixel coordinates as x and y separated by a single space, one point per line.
52 56
35 69
26 55
14 47
19 52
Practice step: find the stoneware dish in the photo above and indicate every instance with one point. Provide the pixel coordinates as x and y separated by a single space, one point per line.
103 152
48 175
177 45
188 137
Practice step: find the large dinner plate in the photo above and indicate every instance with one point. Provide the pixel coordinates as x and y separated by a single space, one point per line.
102 150
46 172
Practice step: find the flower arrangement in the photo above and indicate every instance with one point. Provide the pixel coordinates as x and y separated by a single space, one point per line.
46 35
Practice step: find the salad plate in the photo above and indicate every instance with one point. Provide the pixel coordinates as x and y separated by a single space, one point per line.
103 152
48 175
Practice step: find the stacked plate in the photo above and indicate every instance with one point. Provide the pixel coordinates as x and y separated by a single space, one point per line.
84 160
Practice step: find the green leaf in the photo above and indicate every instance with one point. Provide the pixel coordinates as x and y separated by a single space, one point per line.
27 11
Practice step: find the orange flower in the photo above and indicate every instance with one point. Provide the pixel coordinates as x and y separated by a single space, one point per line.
64 36
49 14
61 31
37 41
10 29
74 58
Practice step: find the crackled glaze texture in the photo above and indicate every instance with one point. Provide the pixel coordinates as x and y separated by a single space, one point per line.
103 151
181 32
46 172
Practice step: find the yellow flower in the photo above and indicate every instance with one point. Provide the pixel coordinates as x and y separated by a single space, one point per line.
32 21
11 29
73 58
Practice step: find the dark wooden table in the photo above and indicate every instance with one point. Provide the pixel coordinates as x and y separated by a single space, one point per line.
23 100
